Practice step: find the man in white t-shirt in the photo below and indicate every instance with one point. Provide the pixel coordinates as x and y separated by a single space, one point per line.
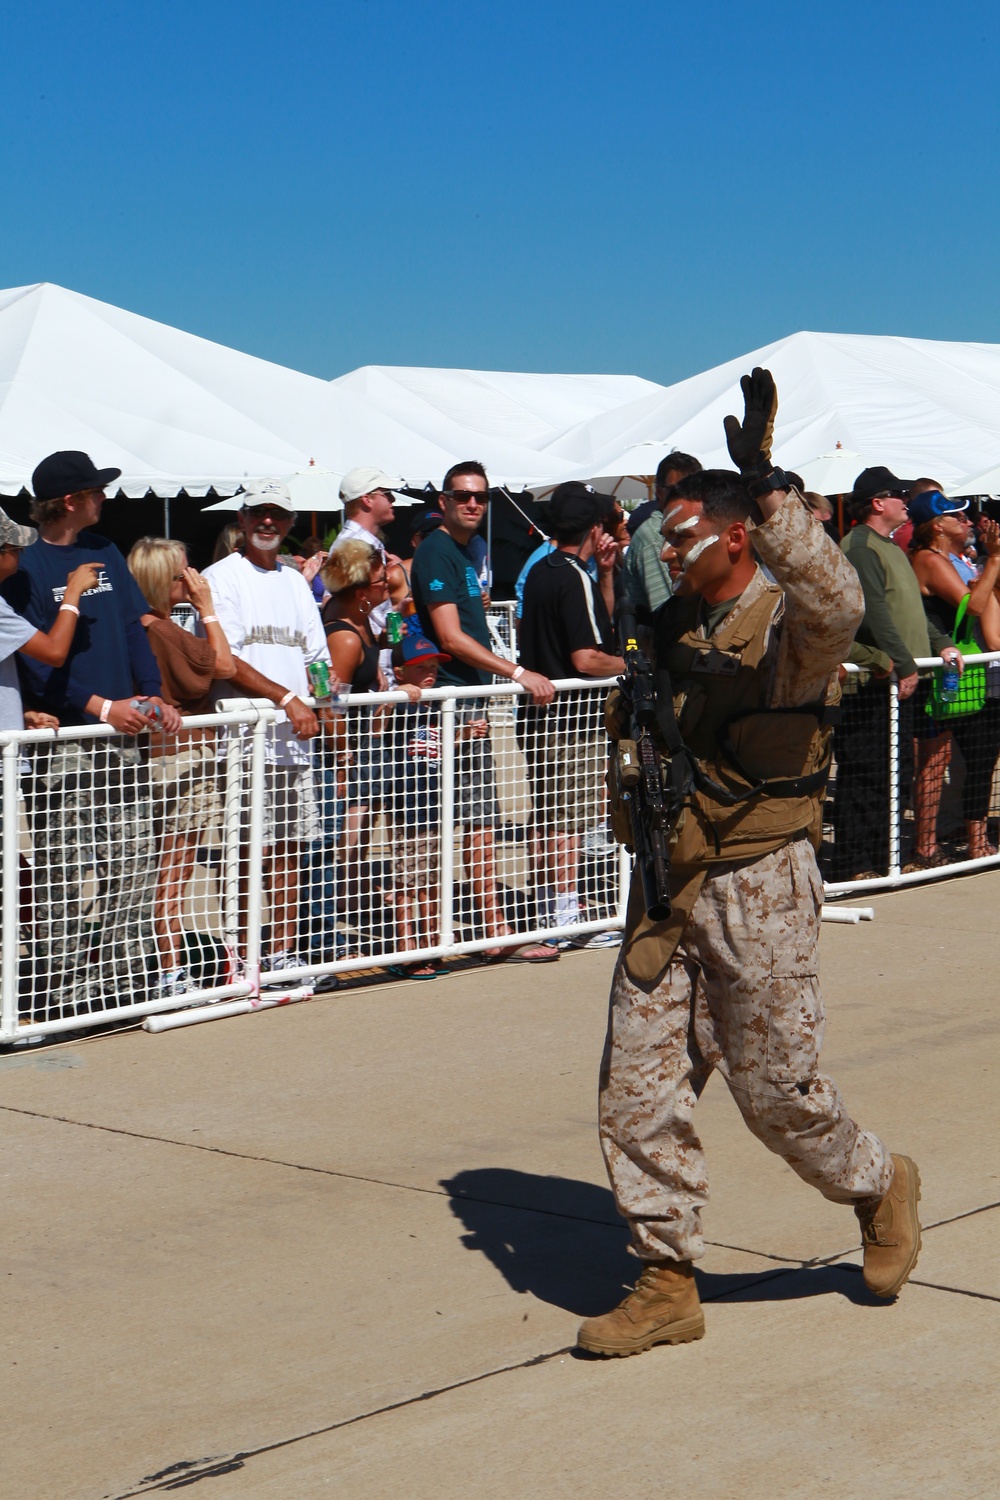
274 629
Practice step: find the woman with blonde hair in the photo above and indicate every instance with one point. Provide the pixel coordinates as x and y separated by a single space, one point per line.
183 766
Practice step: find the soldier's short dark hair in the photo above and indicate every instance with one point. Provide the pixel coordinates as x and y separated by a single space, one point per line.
723 495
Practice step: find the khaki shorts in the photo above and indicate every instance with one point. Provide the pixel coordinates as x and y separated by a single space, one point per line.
417 860
567 757
185 789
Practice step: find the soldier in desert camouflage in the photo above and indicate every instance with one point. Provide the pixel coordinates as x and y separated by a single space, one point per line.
729 981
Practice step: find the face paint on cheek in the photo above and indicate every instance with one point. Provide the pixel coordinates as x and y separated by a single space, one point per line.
697 550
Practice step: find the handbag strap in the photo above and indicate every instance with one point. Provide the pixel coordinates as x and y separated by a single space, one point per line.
960 616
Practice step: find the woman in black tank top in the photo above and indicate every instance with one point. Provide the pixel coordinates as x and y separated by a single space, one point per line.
355 575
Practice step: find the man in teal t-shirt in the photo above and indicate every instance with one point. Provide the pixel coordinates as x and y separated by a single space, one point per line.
446 591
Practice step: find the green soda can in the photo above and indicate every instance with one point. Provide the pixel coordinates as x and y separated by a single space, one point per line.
319 679
394 627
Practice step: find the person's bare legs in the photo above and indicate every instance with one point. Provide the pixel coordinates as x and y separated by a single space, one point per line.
933 757
284 893
176 865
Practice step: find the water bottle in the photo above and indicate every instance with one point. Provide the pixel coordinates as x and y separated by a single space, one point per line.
949 682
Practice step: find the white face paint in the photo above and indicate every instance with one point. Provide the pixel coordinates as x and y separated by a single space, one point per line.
671 513
697 550
687 525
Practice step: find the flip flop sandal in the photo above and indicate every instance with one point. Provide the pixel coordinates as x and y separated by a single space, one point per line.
526 953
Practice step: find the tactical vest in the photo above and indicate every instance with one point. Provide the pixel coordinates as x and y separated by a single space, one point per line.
768 766
760 773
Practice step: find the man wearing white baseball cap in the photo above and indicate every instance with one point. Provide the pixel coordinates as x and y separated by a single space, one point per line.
367 495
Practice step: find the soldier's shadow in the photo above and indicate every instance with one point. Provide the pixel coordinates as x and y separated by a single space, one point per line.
562 1241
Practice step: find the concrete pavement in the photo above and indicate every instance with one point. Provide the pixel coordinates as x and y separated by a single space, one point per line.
342 1249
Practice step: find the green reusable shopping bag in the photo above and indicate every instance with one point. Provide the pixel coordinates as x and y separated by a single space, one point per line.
971 684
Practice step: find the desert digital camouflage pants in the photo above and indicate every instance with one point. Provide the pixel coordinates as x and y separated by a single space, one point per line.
741 995
95 860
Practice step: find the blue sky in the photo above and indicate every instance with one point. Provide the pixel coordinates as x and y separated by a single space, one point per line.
648 188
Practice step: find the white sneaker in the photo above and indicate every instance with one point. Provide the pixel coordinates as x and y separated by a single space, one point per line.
173 982
611 939
277 962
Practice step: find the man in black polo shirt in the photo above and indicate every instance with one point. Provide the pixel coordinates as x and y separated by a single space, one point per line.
566 632
449 602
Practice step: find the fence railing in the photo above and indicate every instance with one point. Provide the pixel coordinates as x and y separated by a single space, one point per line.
234 863
236 867
915 790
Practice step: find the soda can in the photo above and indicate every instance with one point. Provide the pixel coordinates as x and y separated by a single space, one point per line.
319 679
394 627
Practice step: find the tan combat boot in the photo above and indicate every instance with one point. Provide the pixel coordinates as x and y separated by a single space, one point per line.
662 1308
890 1232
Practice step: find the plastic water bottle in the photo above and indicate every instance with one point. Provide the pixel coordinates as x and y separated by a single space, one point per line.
949 682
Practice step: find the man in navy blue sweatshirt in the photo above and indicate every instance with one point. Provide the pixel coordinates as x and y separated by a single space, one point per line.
89 798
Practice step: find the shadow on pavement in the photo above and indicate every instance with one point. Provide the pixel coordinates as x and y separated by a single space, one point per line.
562 1241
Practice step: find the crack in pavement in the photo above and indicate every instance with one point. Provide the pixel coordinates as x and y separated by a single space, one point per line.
409 1187
181 1475
186 1473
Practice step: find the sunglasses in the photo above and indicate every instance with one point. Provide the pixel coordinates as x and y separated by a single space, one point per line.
481 497
266 513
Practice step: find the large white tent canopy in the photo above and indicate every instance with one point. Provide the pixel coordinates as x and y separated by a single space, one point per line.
176 412
917 406
459 407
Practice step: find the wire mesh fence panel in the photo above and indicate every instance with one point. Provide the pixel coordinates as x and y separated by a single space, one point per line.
857 820
115 896
915 786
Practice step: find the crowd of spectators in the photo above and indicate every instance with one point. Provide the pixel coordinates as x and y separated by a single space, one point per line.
95 641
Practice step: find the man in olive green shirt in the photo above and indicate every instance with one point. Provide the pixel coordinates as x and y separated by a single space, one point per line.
892 634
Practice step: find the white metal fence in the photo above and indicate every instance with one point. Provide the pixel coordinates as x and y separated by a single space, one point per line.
235 868
914 796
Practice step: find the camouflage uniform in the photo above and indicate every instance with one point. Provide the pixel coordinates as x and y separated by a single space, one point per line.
734 986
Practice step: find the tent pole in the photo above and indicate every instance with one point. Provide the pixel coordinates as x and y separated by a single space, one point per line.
166 516
489 550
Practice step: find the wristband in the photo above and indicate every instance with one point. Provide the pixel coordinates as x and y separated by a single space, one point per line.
106 707
517 674
287 699
70 609
210 619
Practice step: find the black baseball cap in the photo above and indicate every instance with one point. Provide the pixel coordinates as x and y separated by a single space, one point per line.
576 507
67 473
878 481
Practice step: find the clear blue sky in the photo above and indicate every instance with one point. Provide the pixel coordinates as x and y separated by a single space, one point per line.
649 187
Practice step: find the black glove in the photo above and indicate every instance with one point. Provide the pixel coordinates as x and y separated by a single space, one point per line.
749 444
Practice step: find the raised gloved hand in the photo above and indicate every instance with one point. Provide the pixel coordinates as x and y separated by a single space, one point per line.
749 442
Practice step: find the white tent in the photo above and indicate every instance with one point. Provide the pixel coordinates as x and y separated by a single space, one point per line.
176 412
917 406
465 409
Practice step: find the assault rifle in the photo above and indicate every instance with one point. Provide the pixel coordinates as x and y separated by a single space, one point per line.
654 788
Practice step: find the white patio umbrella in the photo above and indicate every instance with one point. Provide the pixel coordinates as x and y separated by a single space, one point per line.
832 473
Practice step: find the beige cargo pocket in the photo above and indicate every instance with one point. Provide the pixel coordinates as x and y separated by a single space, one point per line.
795 1017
